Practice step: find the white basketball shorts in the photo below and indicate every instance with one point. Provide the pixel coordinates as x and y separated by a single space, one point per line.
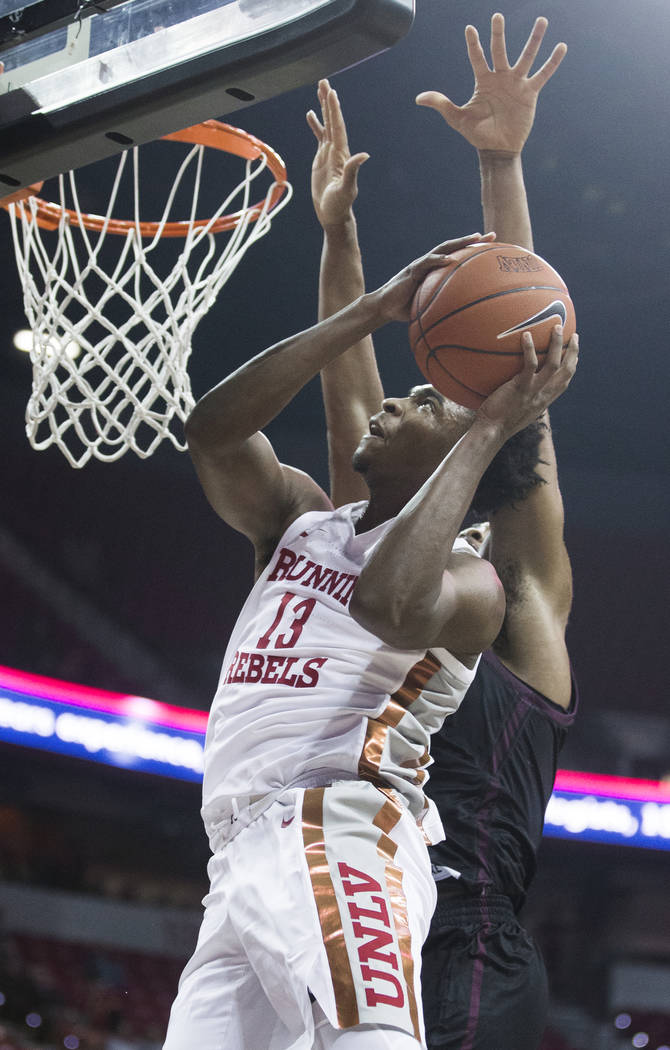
326 896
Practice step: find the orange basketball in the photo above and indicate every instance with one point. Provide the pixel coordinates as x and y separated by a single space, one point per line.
467 318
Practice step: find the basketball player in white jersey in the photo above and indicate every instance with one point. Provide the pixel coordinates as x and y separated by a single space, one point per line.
321 889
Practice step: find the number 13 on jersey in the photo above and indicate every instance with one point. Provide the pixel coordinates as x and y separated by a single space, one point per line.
291 605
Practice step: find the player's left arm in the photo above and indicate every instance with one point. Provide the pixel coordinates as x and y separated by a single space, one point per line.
414 592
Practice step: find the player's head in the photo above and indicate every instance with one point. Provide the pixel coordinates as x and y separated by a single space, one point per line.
512 473
409 437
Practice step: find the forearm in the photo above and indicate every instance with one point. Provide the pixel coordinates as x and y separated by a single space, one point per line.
341 273
504 201
250 398
353 375
527 536
351 387
404 579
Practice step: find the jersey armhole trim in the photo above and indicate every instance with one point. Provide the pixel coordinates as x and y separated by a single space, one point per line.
560 715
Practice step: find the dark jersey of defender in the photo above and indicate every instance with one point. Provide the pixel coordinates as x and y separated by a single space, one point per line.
494 769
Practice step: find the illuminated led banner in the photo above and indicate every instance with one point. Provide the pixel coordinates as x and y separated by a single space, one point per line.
600 808
132 732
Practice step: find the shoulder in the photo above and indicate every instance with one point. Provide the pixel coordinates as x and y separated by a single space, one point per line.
303 496
479 604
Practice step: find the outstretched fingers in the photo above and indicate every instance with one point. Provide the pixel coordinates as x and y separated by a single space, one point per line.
475 52
444 106
498 46
539 79
350 172
316 126
323 93
337 129
331 129
320 129
531 47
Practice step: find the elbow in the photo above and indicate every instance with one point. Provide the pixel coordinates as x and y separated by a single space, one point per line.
196 445
204 434
193 427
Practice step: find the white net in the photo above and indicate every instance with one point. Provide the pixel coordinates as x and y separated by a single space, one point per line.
112 339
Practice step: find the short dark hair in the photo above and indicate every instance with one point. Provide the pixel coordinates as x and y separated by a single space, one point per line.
511 475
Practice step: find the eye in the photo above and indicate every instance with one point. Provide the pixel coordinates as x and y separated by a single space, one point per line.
427 403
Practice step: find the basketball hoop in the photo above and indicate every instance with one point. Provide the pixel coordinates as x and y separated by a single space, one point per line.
112 337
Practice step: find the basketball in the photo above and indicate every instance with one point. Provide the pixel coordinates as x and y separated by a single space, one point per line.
467 318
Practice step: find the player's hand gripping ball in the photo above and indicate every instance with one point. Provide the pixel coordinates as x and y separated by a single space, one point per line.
468 317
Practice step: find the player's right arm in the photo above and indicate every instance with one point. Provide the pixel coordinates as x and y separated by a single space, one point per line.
530 556
351 387
497 121
238 469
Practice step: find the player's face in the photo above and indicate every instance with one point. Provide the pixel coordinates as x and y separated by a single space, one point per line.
410 435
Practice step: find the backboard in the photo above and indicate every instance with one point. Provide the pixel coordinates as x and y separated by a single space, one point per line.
83 80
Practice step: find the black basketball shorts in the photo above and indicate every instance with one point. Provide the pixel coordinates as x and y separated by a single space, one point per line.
484 984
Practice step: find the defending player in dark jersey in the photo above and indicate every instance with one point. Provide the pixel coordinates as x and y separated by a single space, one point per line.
483 981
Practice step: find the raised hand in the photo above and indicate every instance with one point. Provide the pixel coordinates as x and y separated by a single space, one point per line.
394 299
334 170
524 398
500 114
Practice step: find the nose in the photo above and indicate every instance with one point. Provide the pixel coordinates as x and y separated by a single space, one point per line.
478 536
392 406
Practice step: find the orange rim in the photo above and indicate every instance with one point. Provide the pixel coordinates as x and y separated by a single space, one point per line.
20 195
211 133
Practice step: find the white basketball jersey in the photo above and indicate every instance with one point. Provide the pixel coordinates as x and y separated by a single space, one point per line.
304 688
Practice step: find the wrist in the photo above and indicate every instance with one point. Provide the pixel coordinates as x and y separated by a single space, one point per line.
495 158
371 306
489 432
342 230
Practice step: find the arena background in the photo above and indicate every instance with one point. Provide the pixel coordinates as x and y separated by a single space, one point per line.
120 576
